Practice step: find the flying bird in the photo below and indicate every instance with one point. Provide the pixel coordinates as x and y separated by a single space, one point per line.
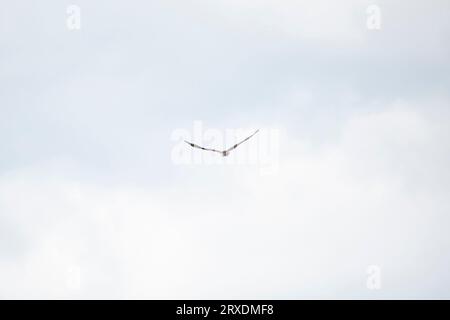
224 153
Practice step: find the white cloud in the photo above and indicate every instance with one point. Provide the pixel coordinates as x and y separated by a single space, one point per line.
310 231
314 20
89 195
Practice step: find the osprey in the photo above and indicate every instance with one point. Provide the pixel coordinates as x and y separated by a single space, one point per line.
224 153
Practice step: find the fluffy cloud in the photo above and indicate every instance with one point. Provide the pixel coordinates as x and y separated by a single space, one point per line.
91 205
374 196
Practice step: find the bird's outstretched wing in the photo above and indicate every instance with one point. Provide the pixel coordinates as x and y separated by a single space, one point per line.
197 146
237 144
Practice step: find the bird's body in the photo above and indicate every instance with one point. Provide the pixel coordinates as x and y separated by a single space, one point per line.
224 153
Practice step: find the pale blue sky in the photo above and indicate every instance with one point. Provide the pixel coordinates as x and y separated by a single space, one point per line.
86 176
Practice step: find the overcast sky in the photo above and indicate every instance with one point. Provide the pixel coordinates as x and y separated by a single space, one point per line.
93 204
